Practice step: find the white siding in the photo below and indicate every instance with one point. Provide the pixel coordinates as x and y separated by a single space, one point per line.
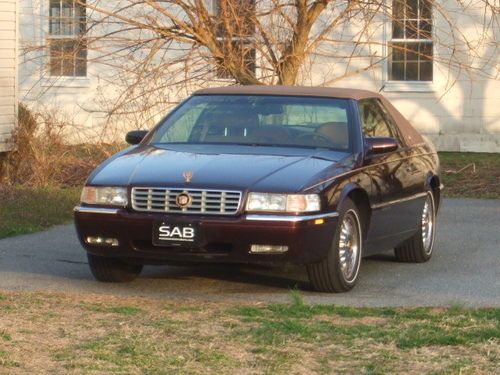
8 70
460 110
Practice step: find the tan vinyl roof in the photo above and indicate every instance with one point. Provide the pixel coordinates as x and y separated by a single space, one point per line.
290 91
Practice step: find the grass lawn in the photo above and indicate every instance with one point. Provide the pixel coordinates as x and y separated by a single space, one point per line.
25 210
61 333
470 174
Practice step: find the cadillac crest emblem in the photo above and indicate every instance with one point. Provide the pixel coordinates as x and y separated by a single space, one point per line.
183 200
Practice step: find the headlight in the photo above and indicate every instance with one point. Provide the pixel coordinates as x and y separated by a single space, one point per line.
115 196
283 202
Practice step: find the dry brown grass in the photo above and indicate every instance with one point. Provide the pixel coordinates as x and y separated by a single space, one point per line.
42 156
47 333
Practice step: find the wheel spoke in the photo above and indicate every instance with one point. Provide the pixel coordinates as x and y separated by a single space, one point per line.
349 256
428 224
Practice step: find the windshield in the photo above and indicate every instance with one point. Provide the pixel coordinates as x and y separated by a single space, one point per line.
287 121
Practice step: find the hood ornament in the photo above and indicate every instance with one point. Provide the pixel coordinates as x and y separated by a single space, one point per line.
188 176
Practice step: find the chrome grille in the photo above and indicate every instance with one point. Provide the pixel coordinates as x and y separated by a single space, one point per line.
207 202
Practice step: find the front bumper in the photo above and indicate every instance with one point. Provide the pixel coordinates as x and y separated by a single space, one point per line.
224 239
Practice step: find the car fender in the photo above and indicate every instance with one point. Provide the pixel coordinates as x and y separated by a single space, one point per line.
435 187
347 189
362 201
428 180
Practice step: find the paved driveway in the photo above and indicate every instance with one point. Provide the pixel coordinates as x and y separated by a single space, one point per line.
465 269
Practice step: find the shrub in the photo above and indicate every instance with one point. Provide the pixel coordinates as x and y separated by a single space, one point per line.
41 157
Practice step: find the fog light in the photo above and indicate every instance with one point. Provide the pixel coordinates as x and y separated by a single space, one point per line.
104 241
260 249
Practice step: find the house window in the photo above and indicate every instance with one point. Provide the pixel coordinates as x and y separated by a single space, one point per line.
66 41
236 36
411 47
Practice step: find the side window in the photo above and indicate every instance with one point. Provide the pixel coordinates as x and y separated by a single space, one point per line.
374 120
392 125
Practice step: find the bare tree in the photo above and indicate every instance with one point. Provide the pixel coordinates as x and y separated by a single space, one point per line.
154 48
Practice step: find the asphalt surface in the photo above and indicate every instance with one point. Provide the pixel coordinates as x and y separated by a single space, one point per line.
464 269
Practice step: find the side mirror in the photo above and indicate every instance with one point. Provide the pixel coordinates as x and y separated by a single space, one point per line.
380 145
135 136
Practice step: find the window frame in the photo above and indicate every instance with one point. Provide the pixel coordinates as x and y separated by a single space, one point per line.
391 85
77 37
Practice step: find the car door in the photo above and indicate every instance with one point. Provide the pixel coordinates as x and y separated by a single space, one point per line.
394 179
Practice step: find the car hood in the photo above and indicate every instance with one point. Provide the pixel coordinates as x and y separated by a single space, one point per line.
239 168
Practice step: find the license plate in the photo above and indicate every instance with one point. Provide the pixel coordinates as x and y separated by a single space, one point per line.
175 234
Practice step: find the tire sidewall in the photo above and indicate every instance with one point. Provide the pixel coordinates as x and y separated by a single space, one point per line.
347 207
428 254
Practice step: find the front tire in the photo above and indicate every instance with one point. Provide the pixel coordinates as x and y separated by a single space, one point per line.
338 272
112 269
418 248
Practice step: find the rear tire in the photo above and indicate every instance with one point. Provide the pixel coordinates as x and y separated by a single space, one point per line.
112 269
418 248
338 272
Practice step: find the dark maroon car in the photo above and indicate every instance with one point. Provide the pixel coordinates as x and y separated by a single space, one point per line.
265 175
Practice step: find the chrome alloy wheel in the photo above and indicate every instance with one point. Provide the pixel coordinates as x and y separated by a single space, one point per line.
350 246
428 224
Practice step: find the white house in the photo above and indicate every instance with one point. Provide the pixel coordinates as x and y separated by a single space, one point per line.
8 70
458 109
